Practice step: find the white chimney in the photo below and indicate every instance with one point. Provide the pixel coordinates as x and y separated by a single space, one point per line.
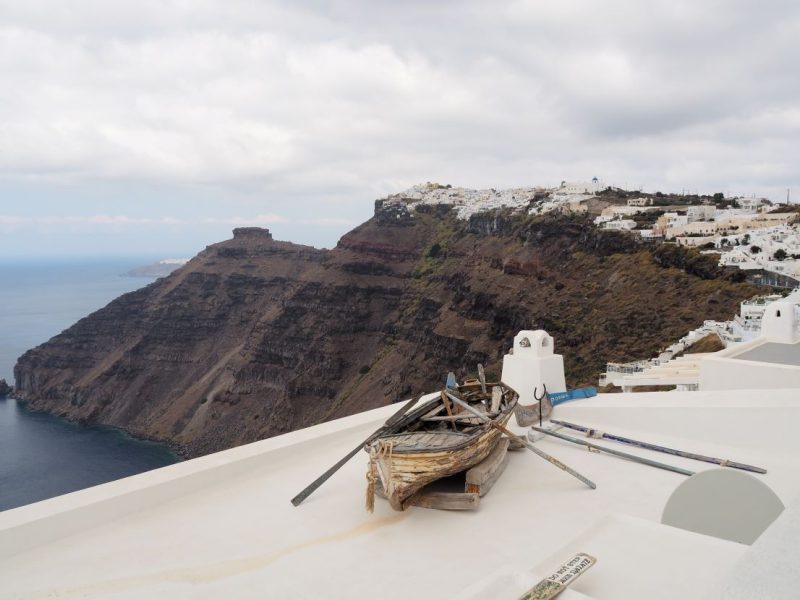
532 365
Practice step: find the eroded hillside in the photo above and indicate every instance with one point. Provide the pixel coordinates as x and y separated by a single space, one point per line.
255 337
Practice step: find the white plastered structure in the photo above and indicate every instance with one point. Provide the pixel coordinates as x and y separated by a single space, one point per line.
533 364
770 361
779 323
222 526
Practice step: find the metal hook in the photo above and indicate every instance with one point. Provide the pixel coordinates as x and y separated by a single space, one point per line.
540 398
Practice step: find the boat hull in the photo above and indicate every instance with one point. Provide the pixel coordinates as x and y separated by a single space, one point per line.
404 473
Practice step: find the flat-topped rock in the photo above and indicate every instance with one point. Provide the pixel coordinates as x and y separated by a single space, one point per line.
251 232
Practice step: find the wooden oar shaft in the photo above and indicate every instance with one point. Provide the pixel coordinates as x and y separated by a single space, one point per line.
312 487
459 417
297 500
633 457
648 446
551 459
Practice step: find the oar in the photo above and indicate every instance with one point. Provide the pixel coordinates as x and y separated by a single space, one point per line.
528 445
648 446
596 448
312 487
482 377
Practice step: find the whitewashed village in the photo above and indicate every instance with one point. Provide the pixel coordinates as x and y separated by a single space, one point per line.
750 233
692 493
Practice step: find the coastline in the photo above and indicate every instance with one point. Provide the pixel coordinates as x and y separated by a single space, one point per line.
45 455
178 452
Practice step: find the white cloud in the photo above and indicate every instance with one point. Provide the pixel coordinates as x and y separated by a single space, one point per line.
105 221
354 100
257 220
332 222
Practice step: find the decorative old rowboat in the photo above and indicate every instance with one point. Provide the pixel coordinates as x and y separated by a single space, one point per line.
439 442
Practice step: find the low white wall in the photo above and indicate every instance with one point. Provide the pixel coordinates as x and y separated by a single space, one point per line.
720 373
42 522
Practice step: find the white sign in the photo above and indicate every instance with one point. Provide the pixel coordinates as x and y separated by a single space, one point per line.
558 581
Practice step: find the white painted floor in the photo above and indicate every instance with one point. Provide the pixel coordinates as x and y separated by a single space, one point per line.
223 527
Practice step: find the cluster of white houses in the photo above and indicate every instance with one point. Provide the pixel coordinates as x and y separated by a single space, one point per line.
748 236
775 249
694 225
568 197
673 367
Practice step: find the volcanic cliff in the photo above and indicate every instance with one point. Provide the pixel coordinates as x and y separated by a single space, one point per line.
255 337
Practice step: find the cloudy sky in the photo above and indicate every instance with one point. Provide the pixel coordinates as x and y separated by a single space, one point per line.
154 126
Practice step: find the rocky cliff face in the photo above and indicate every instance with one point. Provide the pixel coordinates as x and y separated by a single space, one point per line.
255 337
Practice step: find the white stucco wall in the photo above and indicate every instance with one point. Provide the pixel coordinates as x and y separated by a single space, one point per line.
534 366
720 373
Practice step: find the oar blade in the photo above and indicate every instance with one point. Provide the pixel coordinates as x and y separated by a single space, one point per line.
482 377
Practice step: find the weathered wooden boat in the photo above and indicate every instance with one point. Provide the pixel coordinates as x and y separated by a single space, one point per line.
439 441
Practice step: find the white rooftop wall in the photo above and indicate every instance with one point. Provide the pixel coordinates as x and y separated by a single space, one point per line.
235 534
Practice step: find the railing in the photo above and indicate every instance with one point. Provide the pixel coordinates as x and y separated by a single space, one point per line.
630 367
760 300
751 324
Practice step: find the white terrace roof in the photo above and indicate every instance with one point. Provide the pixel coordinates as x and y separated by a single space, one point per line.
222 526
684 370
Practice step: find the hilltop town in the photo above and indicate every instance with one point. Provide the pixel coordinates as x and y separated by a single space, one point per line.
749 233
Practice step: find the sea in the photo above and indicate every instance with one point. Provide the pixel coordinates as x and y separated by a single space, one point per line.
42 456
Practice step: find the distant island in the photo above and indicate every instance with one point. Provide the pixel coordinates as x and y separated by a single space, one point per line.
161 268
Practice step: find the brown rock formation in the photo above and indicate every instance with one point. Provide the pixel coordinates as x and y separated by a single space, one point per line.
256 337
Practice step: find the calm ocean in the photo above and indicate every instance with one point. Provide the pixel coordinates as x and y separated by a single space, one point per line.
42 456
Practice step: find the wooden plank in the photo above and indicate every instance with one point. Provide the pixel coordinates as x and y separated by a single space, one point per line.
497 396
437 500
482 476
461 417
446 402
444 500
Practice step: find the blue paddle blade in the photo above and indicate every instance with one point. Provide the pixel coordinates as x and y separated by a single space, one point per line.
561 397
451 381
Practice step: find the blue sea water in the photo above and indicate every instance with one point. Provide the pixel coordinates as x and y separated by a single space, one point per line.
40 455
40 299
